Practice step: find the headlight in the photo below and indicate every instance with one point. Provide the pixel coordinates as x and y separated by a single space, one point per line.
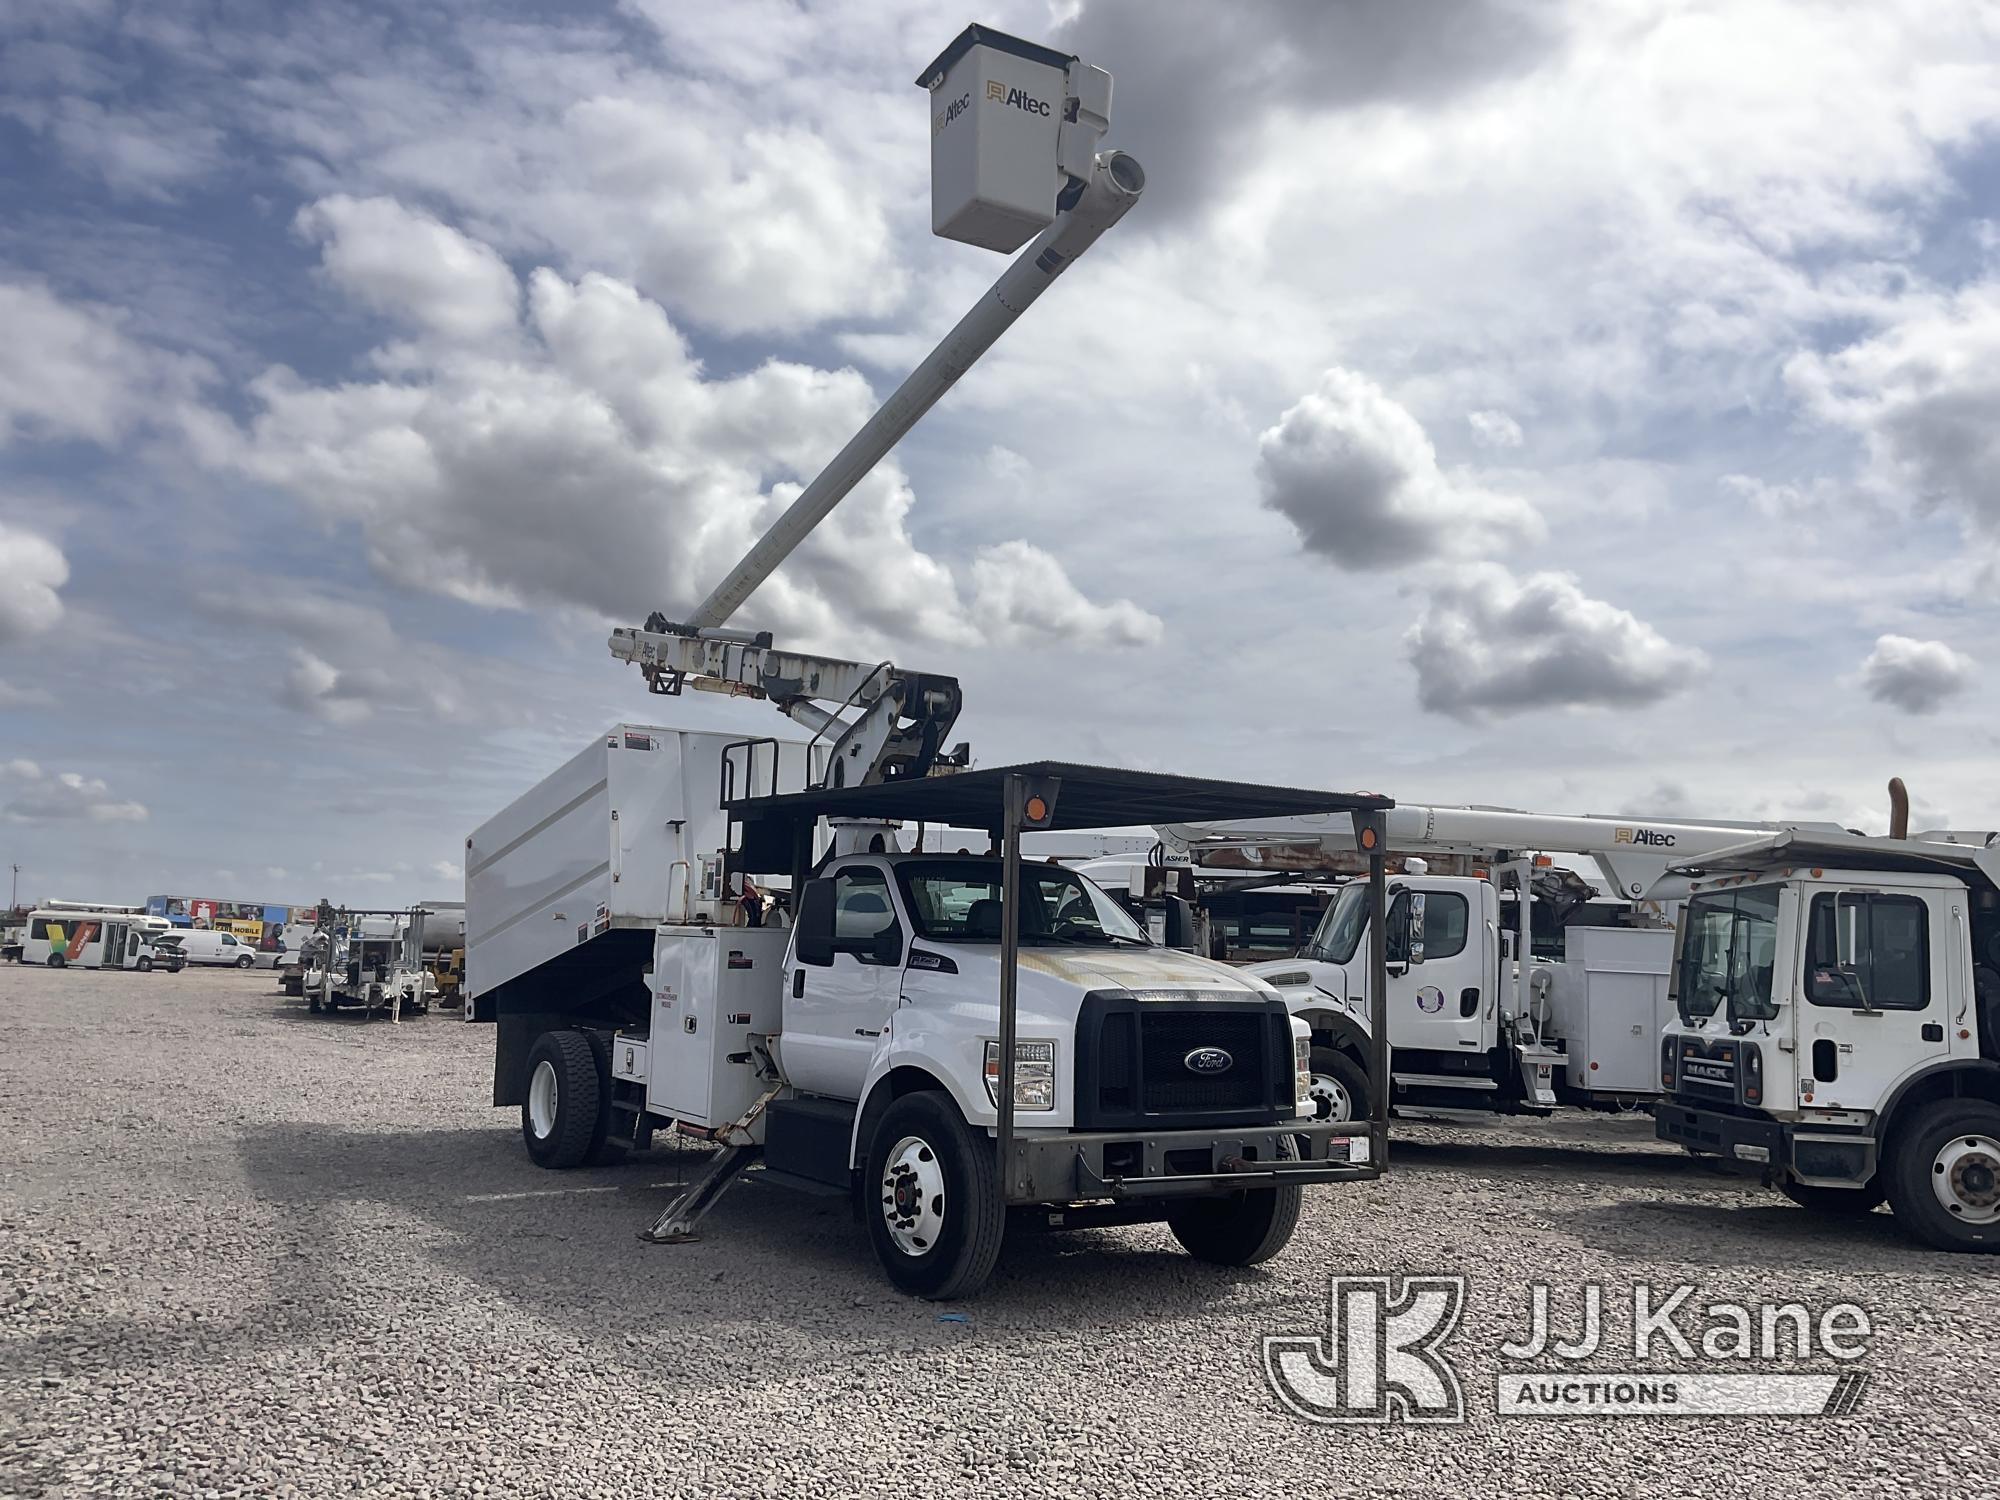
1034 1074
1302 1072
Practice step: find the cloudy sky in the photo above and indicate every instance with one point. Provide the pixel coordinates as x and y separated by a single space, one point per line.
1588 407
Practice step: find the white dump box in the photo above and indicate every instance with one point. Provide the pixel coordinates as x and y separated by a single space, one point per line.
626 835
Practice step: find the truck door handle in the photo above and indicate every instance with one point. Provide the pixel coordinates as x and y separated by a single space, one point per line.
1468 1001
1933 1031
798 983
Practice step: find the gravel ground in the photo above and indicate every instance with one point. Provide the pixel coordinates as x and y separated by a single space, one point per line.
245 1251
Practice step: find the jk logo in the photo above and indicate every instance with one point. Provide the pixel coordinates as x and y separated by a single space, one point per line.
1381 1360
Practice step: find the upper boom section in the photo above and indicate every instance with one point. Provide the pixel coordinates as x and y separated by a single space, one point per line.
1014 130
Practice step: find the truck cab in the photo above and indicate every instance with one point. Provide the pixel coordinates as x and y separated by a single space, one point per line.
1837 1030
1445 1022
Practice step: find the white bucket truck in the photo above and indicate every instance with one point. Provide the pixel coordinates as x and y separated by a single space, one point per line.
938 1038
1476 1022
1838 1024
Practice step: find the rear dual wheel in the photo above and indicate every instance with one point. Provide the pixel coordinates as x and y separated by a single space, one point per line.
566 1117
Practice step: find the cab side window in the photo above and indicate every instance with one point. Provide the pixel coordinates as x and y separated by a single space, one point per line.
1869 952
861 912
1446 916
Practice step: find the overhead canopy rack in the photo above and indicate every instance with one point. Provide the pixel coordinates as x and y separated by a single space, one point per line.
1088 797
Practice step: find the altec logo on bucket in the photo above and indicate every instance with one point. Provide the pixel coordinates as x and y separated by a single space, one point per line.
998 93
1383 1358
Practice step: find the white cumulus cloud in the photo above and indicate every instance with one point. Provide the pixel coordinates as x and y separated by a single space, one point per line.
1490 643
407 265
596 464
1922 394
1915 675
32 570
1354 472
41 798
1019 591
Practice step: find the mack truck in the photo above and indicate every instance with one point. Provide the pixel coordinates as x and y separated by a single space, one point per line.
1477 1022
1837 1024
952 1043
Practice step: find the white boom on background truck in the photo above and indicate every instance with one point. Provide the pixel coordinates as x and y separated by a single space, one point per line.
938 1038
1474 1021
1837 1024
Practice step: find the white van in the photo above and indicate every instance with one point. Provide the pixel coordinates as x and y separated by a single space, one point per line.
203 947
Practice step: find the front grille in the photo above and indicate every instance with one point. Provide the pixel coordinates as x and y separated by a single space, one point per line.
1165 1042
1131 1067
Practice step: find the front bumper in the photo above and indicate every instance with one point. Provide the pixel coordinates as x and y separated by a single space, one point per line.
1709 1132
1827 1157
1089 1165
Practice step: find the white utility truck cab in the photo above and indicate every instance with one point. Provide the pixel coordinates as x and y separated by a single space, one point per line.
1838 1025
900 1043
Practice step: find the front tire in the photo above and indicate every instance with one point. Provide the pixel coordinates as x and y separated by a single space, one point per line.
244 961
1944 1176
932 1196
568 1108
1239 1229
1339 1088
144 965
1846 1202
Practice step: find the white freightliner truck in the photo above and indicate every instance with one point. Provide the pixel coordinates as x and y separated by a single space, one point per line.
938 1038
1470 1026
1837 1025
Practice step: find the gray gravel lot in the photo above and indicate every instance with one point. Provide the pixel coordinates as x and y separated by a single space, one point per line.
248 1251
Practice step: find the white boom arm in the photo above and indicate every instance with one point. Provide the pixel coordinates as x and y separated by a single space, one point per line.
899 719
1636 855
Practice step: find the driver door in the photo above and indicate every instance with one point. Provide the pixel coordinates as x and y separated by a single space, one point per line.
836 1011
1437 972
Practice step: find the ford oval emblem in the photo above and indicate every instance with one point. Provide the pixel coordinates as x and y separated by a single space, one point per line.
1209 1060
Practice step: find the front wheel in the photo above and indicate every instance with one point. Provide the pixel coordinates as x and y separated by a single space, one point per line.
1339 1089
244 961
1835 1200
1944 1175
1238 1229
932 1198
144 965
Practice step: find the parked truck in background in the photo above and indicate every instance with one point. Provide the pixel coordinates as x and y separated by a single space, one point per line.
1476 1021
1837 1025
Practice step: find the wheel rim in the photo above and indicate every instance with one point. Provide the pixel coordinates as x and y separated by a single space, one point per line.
542 1093
1330 1099
913 1195
1966 1178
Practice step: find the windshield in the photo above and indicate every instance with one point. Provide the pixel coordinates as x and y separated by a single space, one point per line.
1340 931
1728 948
958 901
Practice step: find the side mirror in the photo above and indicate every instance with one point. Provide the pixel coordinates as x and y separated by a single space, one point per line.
812 939
1179 930
886 947
1414 944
